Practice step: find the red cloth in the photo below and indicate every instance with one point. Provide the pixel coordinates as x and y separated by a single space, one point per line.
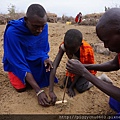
78 18
86 57
15 81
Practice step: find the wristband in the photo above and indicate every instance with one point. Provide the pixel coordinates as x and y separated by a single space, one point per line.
40 92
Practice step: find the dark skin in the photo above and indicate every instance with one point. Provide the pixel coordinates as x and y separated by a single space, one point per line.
80 14
75 66
36 24
111 40
71 91
70 50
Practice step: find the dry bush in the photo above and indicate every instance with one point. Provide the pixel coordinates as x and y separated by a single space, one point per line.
89 21
15 16
2 19
93 15
5 18
65 19
52 17
73 21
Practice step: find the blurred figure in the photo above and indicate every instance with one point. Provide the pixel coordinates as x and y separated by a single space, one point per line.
78 18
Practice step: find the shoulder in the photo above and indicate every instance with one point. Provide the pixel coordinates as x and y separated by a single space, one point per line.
86 44
14 26
86 47
10 30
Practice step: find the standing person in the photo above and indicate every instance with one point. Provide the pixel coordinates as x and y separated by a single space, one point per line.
26 50
78 18
108 31
75 47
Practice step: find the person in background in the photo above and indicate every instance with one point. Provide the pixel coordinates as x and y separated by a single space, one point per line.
75 47
26 50
108 31
78 18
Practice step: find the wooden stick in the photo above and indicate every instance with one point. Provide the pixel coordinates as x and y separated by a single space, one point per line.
58 102
65 89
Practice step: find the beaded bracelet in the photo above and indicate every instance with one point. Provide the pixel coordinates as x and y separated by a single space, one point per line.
40 92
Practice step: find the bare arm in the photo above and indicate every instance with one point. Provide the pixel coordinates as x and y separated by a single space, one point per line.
32 82
42 97
53 70
52 76
105 67
107 88
76 67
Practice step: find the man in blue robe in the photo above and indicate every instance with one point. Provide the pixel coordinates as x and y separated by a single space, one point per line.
26 50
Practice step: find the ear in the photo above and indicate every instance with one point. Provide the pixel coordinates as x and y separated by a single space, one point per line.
26 19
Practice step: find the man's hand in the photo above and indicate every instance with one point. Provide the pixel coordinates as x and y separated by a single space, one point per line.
43 99
75 67
53 98
48 64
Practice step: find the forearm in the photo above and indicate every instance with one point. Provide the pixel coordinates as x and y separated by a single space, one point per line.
107 88
53 70
32 82
52 76
105 67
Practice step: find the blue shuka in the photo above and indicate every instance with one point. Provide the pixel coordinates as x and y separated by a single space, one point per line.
114 104
24 52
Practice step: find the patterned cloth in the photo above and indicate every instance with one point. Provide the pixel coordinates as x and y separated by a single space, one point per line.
86 57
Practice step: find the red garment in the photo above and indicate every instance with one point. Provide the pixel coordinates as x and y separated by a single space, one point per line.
86 57
15 81
78 18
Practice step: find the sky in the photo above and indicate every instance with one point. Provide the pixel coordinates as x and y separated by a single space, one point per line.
61 7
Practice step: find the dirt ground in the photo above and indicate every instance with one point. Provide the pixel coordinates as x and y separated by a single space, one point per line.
92 101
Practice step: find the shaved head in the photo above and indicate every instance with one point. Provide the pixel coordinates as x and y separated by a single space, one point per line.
73 37
108 29
109 20
35 18
35 9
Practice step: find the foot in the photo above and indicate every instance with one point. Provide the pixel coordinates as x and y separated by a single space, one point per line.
71 92
105 78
